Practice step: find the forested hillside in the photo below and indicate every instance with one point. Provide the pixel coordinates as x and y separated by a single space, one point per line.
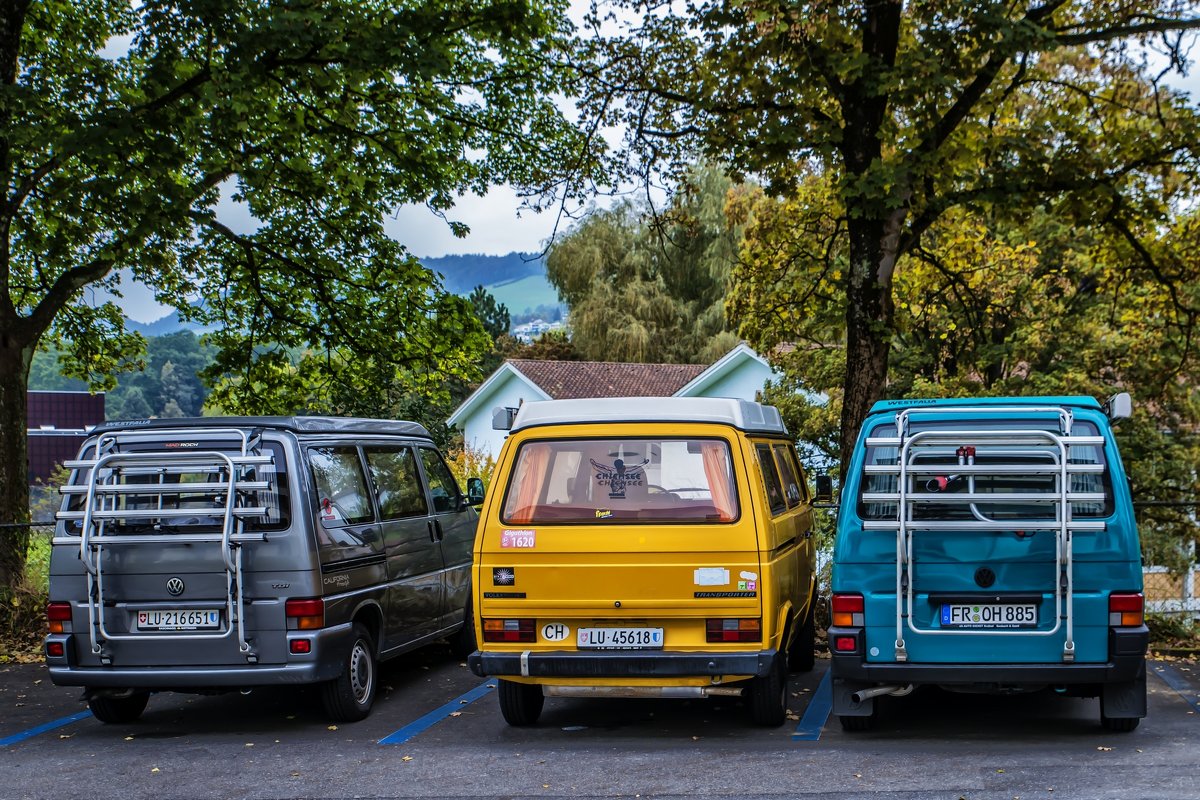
462 273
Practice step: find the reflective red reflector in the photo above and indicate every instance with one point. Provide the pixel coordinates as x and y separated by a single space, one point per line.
58 612
55 649
845 644
301 646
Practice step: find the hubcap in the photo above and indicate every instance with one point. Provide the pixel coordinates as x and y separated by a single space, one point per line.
360 672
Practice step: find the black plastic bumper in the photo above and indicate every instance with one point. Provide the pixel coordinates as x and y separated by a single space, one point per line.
1126 648
570 664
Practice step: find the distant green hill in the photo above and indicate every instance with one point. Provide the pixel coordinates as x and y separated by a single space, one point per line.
463 273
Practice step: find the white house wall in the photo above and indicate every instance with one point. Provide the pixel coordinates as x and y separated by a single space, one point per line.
744 382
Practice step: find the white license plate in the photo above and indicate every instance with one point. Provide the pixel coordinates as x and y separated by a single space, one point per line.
989 615
179 619
619 639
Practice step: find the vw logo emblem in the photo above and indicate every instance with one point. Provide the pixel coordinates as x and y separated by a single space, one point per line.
175 586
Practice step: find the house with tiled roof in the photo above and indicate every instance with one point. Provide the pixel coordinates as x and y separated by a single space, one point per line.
740 373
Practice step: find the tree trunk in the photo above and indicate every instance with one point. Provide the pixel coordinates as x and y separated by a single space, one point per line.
869 323
14 461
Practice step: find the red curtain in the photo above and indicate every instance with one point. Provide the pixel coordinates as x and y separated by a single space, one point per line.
530 475
716 469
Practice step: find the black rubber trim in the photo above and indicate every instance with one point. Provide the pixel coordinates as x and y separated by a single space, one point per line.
569 664
1127 654
1003 599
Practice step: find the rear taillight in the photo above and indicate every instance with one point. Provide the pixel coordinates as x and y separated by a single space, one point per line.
509 630
308 613
845 644
733 630
55 649
57 615
1125 609
847 610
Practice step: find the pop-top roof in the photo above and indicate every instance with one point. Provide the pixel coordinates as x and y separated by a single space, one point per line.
741 414
359 425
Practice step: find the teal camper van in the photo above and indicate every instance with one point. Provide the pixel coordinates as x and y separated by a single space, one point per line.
988 545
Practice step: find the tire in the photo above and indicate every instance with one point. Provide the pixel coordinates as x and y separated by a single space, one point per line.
463 643
857 724
1119 724
520 703
349 696
768 695
802 656
118 710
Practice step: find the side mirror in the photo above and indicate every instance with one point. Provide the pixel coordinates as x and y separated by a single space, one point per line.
824 489
475 491
1119 406
502 418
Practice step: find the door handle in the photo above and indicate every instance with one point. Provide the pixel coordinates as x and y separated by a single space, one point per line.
437 526
432 535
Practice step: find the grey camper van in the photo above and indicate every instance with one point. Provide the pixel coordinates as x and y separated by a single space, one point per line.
214 554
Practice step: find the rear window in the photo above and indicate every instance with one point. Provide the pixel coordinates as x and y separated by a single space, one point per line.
601 481
174 496
1013 480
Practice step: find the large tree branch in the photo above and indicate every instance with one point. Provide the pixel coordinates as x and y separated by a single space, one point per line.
1159 25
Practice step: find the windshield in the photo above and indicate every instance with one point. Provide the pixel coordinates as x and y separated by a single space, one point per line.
1019 470
645 480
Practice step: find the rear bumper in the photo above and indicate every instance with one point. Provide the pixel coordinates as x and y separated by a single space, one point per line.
1127 654
323 663
657 664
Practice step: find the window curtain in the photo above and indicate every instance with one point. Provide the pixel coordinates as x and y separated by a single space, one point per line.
531 475
716 470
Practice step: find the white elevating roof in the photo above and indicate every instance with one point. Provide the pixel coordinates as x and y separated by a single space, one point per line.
741 414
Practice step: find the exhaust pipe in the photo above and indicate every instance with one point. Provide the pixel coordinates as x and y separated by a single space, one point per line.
878 691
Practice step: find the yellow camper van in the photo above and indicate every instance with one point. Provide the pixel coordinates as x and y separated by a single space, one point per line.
644 547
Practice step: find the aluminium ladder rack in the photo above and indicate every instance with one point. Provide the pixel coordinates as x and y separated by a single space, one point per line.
924 456
124 487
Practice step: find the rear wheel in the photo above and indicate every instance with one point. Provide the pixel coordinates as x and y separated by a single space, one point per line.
117 710
349 696
462 644
857 724
768 695
1119 724
802 655
520 703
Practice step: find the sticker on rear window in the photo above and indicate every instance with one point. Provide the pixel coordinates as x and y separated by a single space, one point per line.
525 538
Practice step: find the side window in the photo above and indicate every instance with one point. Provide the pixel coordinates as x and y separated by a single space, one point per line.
341 486
792 486
397 484
442 486
771 476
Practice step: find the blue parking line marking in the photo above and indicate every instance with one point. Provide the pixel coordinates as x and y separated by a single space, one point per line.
49 726
1177 682
815 716
437 715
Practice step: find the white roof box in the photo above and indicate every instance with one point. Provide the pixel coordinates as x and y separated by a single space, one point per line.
741 414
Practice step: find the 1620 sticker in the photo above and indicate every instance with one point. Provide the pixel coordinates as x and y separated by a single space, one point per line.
526 538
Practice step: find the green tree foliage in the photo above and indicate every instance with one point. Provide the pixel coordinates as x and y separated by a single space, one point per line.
319 117
991 306
493 315
650 287
912 109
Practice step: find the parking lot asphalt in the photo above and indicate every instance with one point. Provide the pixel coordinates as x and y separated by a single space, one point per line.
436 731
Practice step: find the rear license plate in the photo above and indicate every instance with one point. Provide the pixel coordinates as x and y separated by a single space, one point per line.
179 619
619 639
990 615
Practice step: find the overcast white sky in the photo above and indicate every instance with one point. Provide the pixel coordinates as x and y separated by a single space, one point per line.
497 227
